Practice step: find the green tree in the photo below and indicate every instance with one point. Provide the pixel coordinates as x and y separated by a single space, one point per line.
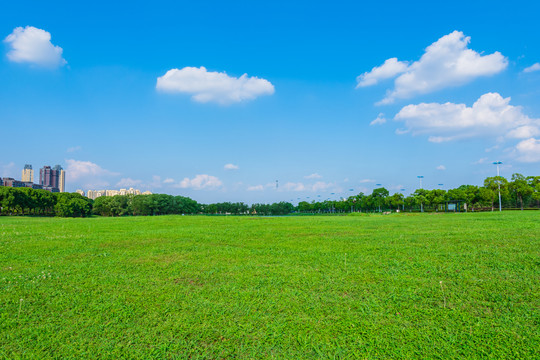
520 187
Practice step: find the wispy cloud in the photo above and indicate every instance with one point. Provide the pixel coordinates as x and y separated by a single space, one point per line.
73 149
231 167
441 167
87 174
480 161
78 169
7 170
379 120
313 176
532 68
128 182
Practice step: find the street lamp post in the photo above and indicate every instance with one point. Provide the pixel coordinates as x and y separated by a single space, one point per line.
379 199
498 182
403 199
421 203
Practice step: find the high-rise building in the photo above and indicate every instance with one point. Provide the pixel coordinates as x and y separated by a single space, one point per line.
53 178
45 176
61 176
27 174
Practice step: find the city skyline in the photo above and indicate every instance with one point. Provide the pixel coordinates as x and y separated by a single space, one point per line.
218 102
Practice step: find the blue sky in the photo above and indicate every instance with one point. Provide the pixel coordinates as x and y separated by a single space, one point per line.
454 86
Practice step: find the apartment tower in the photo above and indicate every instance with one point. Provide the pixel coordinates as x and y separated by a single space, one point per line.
27 174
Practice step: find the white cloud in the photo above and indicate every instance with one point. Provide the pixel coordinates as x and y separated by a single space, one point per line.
321 186
445 63
363 181
490 115
494 147
480 161
313 176
441 167
255 188
529 150
211 86
73 149
87 175
77 170
389 69
7 170
168 181
534 67
379 120
156 182
200 182
231 167
128 182
299 186
292 186
33 45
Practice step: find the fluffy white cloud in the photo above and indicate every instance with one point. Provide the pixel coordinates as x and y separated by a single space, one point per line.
128 182
77 170
490 115
534 67
256 188
379 120
529 150
389 69
313 176
364 181
441 167
33 45
445 63
231 167
200 182
211 86
168 181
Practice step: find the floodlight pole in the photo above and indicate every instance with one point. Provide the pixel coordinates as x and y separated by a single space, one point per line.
498 182
379 199
421 204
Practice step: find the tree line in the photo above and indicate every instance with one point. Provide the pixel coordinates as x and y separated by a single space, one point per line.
28 201
518 192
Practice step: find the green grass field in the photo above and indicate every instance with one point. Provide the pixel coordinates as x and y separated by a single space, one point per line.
429 286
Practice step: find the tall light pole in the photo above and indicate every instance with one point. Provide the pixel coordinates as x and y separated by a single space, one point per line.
403 199
379 199
498 182
351 190
421 203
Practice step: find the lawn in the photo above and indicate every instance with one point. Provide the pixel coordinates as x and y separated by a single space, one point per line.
432 286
